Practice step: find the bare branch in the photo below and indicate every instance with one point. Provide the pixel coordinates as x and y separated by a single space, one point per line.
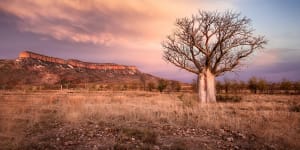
211 40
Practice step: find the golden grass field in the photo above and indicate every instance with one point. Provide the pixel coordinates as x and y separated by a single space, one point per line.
145 120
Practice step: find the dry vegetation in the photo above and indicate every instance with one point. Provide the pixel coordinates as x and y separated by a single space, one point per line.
145 120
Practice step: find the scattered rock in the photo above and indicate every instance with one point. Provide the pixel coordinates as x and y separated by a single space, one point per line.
236 147
155 147
87 136
222 131
68 143
242 135
229 139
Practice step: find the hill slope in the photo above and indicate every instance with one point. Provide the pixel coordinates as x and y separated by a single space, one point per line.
38 71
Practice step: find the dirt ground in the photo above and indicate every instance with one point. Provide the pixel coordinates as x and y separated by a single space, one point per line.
144 120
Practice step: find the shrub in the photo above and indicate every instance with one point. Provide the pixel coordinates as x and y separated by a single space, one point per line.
228 98
162 84
151 86
175 86
286 85
252 84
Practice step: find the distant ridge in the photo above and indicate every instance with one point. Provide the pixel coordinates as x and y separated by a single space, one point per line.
74 62
32 70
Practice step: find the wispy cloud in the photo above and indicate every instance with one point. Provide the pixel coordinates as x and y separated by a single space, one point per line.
101 22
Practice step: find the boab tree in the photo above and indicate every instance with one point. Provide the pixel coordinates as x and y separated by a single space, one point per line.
209 44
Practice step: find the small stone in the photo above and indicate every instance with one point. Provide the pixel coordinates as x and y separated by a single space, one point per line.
236 147
242 135
222 130
230 139
155 147
57 139
68 143
133 139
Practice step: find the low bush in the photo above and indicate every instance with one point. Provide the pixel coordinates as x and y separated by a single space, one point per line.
228 98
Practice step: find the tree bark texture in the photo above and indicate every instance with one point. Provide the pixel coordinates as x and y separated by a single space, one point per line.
206 86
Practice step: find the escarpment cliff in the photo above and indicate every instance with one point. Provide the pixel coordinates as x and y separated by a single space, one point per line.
75 63
36 70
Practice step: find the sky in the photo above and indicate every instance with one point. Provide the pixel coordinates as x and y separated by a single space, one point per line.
130 32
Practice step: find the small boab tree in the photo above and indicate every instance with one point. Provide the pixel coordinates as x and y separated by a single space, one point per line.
209 44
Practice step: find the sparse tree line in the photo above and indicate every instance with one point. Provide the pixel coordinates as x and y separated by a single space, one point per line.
160 85
227 86
257 86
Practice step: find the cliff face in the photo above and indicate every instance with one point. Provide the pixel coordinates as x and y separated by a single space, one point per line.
45 72
76 63
26 71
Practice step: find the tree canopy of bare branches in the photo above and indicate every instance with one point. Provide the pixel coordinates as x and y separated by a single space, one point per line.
213 42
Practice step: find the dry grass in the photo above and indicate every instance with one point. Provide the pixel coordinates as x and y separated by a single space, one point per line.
267 116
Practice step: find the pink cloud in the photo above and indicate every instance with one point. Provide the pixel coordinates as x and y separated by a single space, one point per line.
101 22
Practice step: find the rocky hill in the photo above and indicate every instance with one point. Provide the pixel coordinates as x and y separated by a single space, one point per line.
32 69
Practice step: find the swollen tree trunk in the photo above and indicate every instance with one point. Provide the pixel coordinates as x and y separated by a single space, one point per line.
201 87
206 86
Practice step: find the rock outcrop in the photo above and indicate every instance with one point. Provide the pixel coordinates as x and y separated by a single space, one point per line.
75 63
45 72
